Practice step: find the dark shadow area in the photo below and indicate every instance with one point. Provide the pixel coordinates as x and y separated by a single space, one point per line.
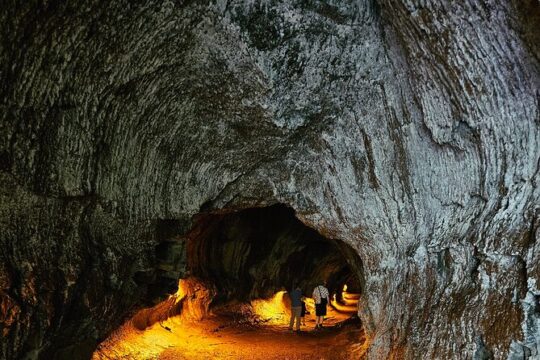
256 252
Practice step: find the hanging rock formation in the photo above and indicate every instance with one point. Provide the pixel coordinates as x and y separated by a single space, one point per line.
408 129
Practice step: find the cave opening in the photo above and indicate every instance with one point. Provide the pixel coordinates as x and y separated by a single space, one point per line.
237 269
256 252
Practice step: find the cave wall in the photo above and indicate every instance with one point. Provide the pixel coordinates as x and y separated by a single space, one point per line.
409 129
67 272
257 252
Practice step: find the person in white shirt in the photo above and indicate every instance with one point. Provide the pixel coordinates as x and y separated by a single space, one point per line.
321 296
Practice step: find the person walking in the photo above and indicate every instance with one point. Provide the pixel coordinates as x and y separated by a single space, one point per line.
320 295
296 308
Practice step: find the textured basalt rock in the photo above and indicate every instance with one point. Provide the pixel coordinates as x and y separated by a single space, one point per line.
410 130
254 253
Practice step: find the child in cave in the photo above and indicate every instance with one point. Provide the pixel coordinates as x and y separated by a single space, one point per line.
303 312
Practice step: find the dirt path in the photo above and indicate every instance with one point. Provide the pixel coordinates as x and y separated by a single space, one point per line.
225 337
270 343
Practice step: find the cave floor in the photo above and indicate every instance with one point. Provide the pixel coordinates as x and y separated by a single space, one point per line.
226 337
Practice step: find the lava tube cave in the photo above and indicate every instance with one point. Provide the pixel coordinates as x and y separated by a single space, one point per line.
232 300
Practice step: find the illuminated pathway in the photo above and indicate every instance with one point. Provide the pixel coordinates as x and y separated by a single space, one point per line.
256 331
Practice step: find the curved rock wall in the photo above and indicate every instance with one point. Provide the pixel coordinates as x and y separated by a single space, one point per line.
255 253
67 273
408 129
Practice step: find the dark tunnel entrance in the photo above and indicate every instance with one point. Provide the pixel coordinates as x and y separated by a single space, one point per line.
238 267
256 252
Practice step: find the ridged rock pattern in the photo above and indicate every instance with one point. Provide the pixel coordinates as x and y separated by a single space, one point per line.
408 129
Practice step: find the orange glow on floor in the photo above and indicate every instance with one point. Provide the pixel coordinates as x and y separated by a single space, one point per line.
212 336
273 311
348 303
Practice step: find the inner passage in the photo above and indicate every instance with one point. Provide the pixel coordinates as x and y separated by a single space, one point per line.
233 301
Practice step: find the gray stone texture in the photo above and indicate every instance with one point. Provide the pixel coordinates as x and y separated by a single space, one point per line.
408 129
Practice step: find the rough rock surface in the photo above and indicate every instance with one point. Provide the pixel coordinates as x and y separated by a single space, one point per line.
254 253
408 129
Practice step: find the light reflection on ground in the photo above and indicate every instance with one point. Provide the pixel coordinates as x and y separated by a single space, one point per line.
264 336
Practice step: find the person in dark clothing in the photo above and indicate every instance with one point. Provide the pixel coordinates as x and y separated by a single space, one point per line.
296 308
